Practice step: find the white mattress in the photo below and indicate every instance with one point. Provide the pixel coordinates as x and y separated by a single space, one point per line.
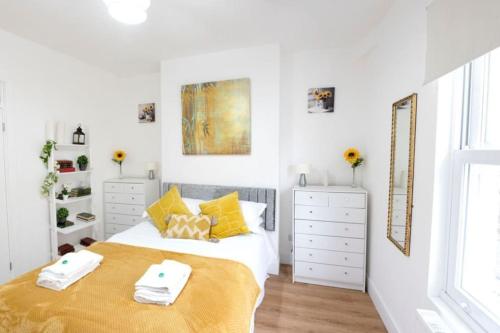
252 250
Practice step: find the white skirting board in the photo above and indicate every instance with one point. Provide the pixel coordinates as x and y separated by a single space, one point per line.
378 301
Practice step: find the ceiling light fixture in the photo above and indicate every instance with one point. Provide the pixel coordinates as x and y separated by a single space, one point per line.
128 11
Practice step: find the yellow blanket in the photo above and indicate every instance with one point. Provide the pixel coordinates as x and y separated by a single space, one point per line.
219 297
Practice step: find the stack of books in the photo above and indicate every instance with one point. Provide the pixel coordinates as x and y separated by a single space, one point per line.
65 166
86 217
80 192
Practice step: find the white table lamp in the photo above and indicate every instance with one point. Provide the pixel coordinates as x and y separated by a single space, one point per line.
151 167
303 170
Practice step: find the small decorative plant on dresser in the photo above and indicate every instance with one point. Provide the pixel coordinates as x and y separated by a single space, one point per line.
329 246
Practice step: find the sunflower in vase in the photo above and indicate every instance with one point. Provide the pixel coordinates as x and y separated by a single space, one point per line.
353 157
118 157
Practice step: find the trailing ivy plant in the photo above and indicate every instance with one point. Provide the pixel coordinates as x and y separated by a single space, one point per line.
51 178
48 183
47 151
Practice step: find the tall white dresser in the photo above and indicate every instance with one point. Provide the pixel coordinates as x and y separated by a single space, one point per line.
330 236
125 200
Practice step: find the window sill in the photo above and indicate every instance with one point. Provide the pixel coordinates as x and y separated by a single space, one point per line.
452 319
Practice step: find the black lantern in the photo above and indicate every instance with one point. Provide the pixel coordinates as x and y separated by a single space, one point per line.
79 136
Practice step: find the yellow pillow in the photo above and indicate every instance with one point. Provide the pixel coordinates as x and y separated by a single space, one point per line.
188 227
227 211
170 203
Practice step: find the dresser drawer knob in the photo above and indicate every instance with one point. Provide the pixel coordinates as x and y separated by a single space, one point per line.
346 229
345 258
133 198
310 268
133 209
310 197
310 254
346 244
345 273
346 214
310 241
310 225
310 212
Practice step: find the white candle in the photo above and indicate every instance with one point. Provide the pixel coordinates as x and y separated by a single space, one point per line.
49 130
61 132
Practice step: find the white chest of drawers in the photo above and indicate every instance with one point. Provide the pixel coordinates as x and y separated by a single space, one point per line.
125 200
329 236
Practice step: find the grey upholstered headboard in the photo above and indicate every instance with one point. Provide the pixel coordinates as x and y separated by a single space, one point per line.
209 192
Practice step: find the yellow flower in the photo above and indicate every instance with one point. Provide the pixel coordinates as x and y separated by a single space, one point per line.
351 155
119 156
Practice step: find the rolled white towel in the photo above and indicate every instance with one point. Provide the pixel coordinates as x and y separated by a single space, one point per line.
162 284
72 263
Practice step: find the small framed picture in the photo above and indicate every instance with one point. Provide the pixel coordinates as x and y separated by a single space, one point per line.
147 113
321 100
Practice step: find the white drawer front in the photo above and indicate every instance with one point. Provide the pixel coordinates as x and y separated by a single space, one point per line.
113 187
124 188
132 199
330 243
123 219
311 198
133 188
398 233
330 228
330 257
347 200
330 273
125 209
350 215
399 201
112 228
399 217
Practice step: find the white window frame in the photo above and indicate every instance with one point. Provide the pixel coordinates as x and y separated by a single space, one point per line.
462 155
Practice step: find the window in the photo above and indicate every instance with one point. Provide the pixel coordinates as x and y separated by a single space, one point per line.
473 270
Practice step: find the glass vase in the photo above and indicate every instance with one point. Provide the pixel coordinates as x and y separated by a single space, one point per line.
353 184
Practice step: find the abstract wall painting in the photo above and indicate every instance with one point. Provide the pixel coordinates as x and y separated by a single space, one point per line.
216 118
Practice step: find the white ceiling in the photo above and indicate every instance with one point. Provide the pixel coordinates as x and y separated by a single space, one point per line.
84 30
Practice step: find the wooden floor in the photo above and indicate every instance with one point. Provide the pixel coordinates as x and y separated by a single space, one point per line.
299 307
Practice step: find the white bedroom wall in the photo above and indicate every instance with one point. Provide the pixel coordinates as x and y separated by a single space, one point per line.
141 141
42 85
394 68
261 167
318 139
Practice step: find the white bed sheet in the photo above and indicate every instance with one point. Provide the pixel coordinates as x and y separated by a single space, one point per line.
252 250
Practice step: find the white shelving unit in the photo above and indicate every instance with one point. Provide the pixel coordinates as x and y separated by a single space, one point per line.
80 229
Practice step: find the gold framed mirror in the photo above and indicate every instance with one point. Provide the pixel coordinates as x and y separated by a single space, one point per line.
404 121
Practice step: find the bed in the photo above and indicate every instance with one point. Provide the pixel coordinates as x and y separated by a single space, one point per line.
222 294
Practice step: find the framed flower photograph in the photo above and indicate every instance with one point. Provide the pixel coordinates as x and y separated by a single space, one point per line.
146 113
321 100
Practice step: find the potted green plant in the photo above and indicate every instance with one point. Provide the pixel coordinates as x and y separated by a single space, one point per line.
82 162
65 191
62 215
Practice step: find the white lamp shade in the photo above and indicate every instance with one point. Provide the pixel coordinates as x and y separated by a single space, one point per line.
302 168
151 166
